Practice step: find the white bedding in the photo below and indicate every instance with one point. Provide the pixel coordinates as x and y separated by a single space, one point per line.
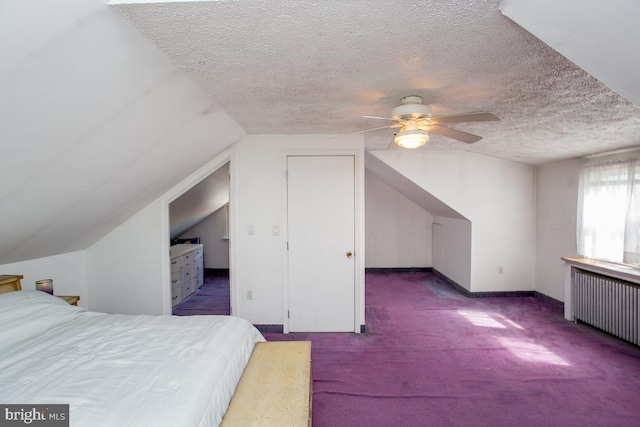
119 370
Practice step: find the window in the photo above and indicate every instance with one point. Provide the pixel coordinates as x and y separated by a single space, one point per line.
608 223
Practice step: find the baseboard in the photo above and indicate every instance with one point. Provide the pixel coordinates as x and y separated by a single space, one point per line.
502 294
452 283
547 298
391 270
279 329
270 329
216 271
496 294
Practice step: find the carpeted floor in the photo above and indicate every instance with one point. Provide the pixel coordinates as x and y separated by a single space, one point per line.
433 357
211 298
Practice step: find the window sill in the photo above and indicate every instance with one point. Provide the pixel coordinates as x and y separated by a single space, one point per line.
621 271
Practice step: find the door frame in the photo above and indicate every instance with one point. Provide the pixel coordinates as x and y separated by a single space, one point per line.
359 255
191 181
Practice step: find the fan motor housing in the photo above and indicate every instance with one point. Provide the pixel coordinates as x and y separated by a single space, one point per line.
411 108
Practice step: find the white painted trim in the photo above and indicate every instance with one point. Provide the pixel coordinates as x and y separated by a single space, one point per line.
165 239
175 192
231 211
569 310
360 242
359 251
285 238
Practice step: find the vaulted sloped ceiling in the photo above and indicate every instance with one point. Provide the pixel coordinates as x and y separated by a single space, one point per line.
95 123
409 189
600 37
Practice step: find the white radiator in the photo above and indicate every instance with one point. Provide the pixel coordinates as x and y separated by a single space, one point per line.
607 303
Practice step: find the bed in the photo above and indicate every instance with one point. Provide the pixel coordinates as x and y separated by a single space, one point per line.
120 370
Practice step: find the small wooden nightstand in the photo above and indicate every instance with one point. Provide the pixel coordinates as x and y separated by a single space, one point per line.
10 283
71 299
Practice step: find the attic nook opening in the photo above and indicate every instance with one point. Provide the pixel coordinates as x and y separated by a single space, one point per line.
199 237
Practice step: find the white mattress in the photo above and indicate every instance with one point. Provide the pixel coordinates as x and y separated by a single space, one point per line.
119 370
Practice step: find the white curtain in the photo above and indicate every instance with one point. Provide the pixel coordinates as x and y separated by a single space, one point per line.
608 223
632 225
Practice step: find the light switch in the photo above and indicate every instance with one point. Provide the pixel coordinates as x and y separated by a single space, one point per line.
250 230
276 230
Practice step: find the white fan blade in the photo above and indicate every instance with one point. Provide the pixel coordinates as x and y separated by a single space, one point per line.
469 138
379 118
396 125
467 117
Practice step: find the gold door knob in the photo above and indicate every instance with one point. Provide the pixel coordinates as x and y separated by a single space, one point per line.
349 254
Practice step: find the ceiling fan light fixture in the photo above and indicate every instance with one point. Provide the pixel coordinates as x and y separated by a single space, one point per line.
411 107
411 138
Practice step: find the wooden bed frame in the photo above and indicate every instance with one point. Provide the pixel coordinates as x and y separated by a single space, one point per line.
275 389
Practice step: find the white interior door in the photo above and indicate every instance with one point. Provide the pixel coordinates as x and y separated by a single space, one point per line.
321 229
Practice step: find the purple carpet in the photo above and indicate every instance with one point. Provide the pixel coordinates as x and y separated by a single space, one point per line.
211 298
433 357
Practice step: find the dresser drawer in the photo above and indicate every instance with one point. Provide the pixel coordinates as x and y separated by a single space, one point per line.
186 266
187 260
176 264
176 279
197 282
187 288
196 270
176 296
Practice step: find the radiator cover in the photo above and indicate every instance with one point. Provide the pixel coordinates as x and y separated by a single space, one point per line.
607 303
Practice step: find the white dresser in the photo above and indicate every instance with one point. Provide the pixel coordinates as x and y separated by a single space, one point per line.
187 272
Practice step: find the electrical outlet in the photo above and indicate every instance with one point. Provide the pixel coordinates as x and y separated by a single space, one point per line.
249 294
500 269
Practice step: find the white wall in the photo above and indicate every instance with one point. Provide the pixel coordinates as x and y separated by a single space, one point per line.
68 271
452 249
557 201
557 195
397 231
128 270
125 268
211 232
257 192
497 196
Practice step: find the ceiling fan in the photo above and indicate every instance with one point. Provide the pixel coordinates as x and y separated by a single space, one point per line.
415 122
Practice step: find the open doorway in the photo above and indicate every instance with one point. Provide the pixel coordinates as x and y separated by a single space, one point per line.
199 233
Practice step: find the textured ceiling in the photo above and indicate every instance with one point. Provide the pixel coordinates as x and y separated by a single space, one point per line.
316 67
